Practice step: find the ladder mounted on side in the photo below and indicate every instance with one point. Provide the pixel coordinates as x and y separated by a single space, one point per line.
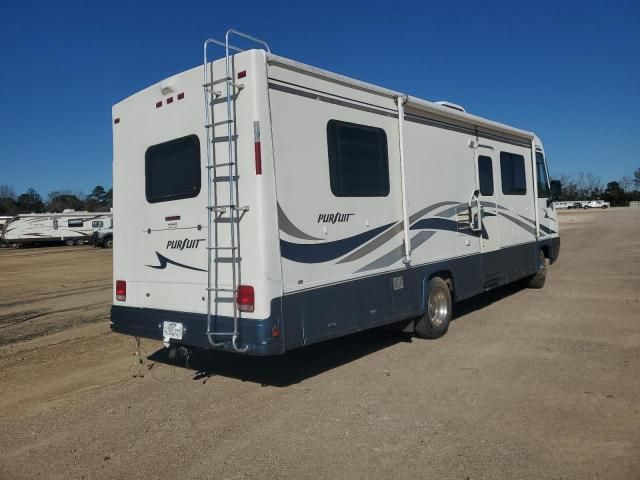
231 209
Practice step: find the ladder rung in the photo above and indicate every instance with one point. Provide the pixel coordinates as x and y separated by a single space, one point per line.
214 289
221 334
216 124
226 164
223 208
216 82
222 248
223 139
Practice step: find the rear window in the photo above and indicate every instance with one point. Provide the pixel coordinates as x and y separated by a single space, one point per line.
172 170
358 160
75 222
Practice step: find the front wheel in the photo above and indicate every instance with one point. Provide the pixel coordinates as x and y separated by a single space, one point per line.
434 323
108 243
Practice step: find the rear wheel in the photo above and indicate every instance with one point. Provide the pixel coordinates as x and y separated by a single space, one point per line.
108 243
538 280
437 315
68 243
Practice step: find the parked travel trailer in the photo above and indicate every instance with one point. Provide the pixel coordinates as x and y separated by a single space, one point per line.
70 227
285 205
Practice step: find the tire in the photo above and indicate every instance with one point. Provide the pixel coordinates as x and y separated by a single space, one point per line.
68 243
108 243
538 280
434 323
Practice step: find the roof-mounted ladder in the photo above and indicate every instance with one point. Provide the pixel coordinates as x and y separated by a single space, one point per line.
231 208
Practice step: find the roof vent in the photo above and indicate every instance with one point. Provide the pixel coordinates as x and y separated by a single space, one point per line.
455 106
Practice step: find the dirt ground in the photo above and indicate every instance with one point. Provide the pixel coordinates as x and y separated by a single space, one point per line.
527 384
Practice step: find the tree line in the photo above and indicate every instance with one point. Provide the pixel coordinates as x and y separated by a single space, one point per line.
586 186
99 200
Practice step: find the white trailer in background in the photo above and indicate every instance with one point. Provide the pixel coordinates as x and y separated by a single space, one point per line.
70 227
293 205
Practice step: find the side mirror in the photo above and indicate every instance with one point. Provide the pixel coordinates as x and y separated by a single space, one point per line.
556 188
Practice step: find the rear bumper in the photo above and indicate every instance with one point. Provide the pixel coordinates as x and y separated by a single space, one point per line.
147 323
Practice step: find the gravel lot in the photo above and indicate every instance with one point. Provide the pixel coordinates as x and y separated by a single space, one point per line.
535 384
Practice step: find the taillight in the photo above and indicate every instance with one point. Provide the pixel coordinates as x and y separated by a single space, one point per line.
245 298
121 290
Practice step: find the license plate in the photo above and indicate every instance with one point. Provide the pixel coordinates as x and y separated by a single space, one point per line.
172 330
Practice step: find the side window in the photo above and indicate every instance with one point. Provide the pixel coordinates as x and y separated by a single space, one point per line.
485 172
358 160
172 170
97 224
75 222
55 223
514 179
543 178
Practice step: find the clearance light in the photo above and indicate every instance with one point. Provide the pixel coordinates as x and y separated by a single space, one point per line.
158 104
116 121
169 100
275 331
242 74
121 290
245 298
180 96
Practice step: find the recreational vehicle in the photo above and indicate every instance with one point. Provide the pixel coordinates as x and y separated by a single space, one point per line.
264 204
69 227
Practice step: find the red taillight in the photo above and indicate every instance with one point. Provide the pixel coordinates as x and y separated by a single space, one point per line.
121 290
245 298
169 100
158 104
242 74
180 96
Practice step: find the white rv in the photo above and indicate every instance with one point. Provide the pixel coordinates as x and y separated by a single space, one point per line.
70 227
264 204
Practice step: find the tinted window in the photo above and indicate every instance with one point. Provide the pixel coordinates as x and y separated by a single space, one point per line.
485 173
75 222
172 170
358 160
543 179
97 224
514 180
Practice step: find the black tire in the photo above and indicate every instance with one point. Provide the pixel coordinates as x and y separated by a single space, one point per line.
68 243
108 243
538 280
434 323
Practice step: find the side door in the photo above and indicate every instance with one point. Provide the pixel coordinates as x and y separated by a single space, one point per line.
488 179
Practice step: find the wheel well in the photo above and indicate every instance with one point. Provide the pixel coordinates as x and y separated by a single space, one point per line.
446 276
545 250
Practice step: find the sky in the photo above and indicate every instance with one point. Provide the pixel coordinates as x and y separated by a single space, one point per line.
570 71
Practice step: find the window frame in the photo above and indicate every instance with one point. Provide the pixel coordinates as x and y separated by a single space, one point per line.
147 170
540 160
508 156
77 223
334 160
493 188
97 224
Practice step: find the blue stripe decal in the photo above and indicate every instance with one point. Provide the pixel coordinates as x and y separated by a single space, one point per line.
164 261
323 252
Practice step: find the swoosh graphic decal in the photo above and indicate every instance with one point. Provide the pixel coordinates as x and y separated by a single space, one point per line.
386 236
323 252
397 253
289 228
435 223
164 261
